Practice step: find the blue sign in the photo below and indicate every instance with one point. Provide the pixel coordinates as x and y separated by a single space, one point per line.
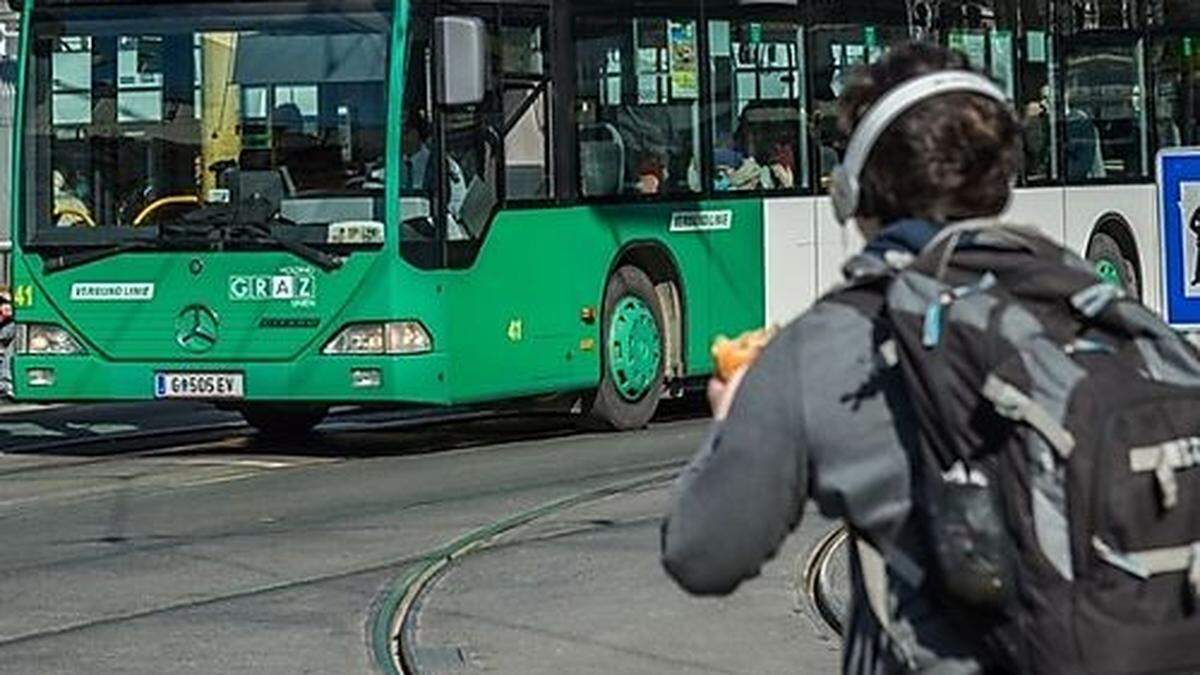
1179 220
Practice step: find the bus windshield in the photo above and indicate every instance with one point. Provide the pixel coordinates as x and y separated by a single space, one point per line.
142 115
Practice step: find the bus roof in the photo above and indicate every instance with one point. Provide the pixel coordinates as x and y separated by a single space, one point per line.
18 5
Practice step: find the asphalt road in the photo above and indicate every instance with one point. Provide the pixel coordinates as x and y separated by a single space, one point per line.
592 599
242 555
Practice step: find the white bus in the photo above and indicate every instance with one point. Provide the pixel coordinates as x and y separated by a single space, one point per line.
1102 85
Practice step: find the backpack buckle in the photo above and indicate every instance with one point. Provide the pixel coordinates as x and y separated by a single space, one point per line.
1013 404
1168 485
931 327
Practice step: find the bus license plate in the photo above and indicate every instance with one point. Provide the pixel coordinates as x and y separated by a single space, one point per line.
199 385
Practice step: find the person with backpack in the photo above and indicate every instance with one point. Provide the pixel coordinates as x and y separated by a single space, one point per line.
1011 442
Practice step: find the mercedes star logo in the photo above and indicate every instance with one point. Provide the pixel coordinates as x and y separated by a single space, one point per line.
196 328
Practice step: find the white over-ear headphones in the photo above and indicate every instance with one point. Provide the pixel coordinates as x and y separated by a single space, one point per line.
844 187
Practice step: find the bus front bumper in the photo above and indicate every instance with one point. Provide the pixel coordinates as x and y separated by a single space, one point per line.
333 379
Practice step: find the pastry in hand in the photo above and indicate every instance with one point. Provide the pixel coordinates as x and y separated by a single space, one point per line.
731 355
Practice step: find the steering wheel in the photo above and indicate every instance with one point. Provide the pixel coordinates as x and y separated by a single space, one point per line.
173 200
74 213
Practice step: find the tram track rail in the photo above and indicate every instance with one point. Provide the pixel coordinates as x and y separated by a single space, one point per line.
393 627
817 580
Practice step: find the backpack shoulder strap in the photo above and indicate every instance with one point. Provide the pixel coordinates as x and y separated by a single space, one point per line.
874 566
867 279
991 232
993 235
875 581
865 292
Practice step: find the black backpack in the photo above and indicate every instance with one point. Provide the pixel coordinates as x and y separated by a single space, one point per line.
1058 475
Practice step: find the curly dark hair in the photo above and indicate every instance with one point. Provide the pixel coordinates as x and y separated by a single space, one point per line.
949 158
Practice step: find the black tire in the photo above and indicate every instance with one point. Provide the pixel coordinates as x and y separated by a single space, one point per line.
607 407
1105 250
280 420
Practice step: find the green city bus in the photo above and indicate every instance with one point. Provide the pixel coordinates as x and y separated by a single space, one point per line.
218 200
281 206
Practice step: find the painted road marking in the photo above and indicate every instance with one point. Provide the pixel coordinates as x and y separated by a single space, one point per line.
35 430
29 430
103 427
149 475
249 463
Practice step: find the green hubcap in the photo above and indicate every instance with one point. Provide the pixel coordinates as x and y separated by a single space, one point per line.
634 348
1110 272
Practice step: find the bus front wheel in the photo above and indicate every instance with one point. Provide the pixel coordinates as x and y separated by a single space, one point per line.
633 353
284 420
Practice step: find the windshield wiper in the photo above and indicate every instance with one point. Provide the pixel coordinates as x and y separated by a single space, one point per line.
65 262
252 222
261 233
249 224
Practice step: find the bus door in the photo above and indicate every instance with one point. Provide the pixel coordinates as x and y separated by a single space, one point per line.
477 179
490 154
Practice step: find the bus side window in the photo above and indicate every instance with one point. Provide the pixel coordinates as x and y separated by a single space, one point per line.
837 49
1175 92
759 139
637 111
527 94
1107 135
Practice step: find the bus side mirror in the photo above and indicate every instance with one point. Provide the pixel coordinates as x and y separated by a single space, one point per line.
462 60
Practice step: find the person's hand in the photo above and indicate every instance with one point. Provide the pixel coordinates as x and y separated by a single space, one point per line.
648 184
721 392
783 176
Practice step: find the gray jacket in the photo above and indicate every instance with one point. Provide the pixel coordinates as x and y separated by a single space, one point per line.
817 416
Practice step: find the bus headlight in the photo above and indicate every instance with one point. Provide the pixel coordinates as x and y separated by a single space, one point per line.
364 338
43 339
394 337
407 337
